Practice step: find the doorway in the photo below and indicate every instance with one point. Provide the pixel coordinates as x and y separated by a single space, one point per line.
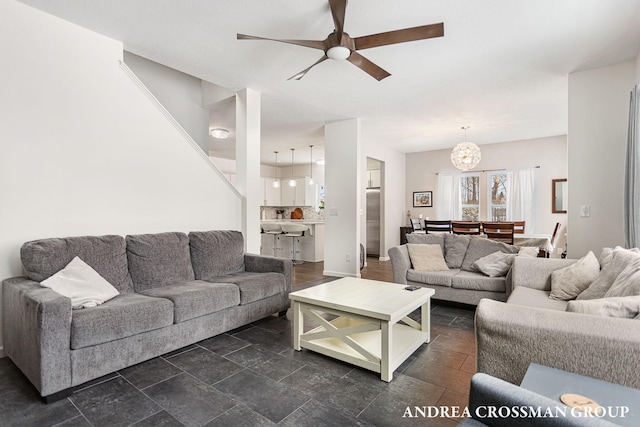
375 207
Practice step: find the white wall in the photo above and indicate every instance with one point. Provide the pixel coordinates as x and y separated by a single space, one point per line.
342 202
391 195
83 151
598 124
179 93
549 153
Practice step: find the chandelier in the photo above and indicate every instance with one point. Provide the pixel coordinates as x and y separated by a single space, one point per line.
466 155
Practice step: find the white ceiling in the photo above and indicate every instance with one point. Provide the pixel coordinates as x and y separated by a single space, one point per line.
501 67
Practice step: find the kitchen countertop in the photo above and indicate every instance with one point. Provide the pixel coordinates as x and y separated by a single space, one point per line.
301 221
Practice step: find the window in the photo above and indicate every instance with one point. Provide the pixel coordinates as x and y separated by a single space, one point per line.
497 192
470 196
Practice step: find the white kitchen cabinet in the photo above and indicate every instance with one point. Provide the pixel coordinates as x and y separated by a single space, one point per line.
293 196
270 195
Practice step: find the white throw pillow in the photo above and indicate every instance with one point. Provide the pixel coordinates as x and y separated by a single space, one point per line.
628 281
528 251
494 265
426 257
82 284
624 307
567 283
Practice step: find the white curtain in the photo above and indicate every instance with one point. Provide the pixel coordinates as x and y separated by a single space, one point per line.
520 196
448 204
632 174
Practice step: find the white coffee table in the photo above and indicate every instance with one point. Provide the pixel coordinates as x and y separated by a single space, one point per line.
367 331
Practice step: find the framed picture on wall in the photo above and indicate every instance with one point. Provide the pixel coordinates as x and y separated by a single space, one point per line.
422 199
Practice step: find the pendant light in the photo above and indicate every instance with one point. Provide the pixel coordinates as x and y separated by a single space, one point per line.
276 182
311 166
292 182
466 155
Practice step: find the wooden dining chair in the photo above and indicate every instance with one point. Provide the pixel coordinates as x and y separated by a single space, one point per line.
554 237
466 227
499 231
416 224
518 227
437 226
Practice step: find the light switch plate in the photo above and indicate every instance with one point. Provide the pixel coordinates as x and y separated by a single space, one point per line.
585 211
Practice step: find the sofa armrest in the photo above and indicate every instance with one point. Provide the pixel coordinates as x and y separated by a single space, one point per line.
509 337
536 272
268 264
36 324
400 262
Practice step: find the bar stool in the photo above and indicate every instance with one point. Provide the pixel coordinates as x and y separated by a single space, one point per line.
274 229
295 231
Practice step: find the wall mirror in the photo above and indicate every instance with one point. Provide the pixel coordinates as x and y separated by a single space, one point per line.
559 196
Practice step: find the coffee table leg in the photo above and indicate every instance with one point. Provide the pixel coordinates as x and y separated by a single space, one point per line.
425 314
386 374
298 325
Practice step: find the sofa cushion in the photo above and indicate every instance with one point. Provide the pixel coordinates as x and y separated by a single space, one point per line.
426 257
455 246
440 278
627 307
216 253
529 297
159 259
628 281
123 316
426 239
81 284
107 255
197 298
619 260
480 247
568 282
494 265
478 282
255 286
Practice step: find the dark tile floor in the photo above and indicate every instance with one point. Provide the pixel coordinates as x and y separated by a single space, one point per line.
252 377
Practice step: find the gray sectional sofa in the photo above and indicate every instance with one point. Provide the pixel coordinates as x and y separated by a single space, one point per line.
461 282
532 328
174 290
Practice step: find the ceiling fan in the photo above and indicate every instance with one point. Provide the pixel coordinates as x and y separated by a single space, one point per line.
339 45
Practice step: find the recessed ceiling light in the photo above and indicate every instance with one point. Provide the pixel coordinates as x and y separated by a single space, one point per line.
219 133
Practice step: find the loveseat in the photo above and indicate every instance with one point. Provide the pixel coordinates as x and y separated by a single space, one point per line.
459 280
595 332
173 290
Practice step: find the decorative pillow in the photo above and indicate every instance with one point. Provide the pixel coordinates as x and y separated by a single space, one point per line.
627 283
82 284
427 239
619 260
455 246
480 247
567 283
528 251
605 257
624 307
426 257
495 265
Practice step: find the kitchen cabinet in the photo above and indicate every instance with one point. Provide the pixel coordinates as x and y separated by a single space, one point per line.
294 196
270 195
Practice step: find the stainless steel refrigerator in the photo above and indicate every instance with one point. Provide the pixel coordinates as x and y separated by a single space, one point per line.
373 222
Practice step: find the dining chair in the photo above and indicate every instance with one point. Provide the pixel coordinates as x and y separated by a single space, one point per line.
518 227
554 236
466 227
437 226
499 231
416 224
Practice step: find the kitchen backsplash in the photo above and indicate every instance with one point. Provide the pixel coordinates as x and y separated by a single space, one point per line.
270 212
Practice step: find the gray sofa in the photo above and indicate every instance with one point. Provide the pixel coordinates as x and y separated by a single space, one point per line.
461 282
531 327
175 290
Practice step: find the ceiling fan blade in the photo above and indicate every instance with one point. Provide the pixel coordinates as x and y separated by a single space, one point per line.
338 10
367 66
315 44
400 36
303 72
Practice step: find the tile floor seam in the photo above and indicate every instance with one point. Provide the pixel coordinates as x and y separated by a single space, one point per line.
294 411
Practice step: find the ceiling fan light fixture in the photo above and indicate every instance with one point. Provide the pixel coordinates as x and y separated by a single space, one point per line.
219 133
339 52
